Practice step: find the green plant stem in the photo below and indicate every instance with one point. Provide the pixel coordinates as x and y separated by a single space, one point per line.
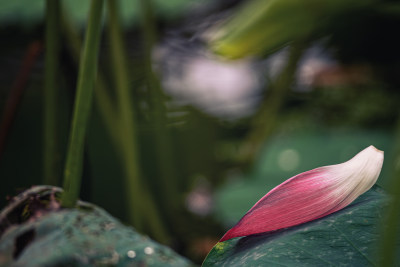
136 191
103 100
127 127
264 122
82 107
164 155
51 157
391 227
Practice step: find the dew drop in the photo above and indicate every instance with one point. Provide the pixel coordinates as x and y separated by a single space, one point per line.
131 254
148 250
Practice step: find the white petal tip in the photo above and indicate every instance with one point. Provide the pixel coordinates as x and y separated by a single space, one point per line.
372 147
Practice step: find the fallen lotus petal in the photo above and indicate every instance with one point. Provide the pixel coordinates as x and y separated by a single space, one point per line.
311 195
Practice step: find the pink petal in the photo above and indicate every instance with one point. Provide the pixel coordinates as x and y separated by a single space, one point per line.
310 195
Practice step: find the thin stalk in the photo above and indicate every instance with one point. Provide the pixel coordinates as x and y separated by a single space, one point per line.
265 120
102 97
127 132
135 190
162 140
83 103
51 157
391 227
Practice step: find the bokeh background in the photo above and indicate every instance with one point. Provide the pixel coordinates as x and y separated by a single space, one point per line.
214 135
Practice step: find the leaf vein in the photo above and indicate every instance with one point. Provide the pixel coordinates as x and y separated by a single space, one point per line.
352 244
313 255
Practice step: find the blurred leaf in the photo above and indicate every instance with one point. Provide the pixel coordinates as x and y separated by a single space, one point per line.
346 237
262 26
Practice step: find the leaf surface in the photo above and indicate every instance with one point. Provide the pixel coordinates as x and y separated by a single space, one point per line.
83 236
345 238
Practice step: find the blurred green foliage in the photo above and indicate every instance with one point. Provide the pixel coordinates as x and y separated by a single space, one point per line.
27 13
